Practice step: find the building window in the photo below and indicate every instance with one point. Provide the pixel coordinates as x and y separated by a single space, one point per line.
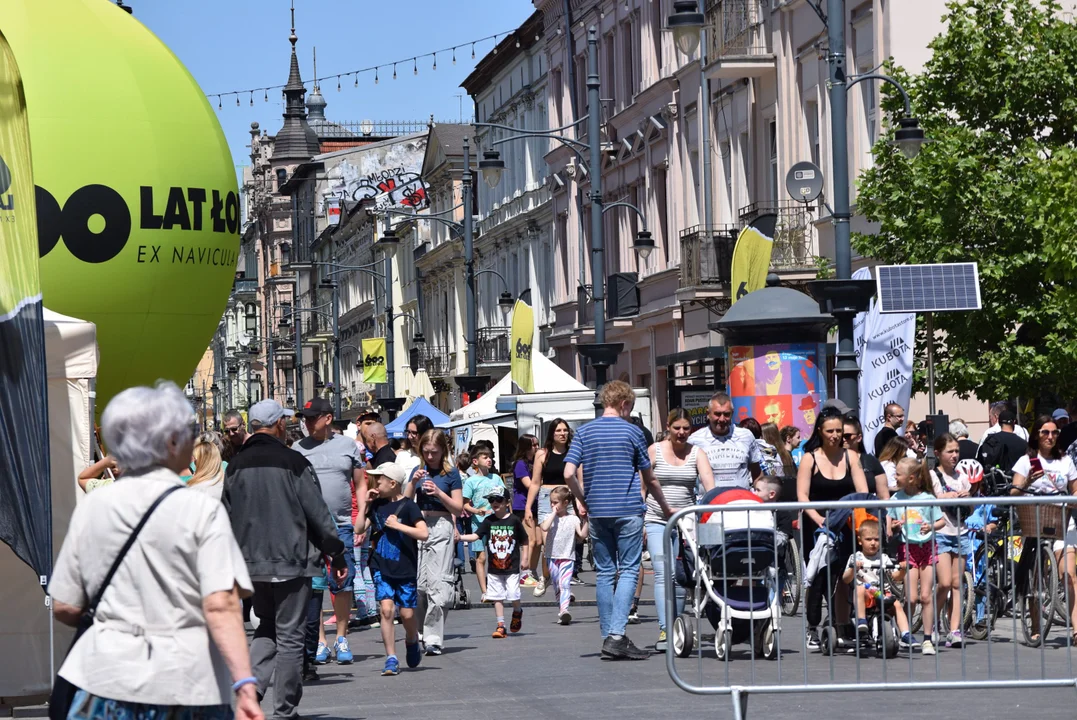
811 117
251 313
609 77
657 21
773 160
628 40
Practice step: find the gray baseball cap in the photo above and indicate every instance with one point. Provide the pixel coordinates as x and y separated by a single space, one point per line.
267 412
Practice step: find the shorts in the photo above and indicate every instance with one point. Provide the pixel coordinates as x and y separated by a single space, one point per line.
1070 541
917 556
346 533
960 545
505 588
403 594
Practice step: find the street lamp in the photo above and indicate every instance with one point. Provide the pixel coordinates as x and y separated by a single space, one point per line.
491 166
686 22
644 244
909 137
506 303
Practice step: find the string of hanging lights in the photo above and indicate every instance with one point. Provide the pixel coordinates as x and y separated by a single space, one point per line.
375 69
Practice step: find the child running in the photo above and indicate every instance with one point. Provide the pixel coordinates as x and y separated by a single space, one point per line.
917 549
503 534
397 528
562 530
868 566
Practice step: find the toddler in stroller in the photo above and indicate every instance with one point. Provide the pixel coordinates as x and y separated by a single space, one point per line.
728 562
873 573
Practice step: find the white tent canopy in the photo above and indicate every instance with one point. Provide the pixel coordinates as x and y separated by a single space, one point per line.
548 378
71 357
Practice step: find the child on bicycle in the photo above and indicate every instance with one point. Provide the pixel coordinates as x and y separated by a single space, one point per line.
917 549
873 571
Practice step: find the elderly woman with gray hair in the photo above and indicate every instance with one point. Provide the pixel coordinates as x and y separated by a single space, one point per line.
166 637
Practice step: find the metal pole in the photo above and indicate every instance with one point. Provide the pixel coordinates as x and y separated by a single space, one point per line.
469 266
298 348
271 380
203 405
390 349
705 121
598 261
336 344
930 365
248 385
846 368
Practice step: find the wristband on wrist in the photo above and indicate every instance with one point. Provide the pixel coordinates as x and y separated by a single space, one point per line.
244 681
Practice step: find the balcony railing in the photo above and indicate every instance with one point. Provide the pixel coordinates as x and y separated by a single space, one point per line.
245 286
737 27
793 233
707 255
493 346
438 361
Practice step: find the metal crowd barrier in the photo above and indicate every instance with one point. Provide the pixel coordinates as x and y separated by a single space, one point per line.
725 576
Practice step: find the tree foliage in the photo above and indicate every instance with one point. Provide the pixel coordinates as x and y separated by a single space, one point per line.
998 187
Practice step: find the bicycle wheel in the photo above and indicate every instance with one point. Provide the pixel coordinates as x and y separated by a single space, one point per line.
1061 601
969 600
792 579
1039 599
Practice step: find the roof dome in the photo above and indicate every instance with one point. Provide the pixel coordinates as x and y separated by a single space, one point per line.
774 308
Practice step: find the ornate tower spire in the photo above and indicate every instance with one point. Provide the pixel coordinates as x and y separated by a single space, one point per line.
295 140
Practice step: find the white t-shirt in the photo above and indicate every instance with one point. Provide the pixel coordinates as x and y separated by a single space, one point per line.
960 483
1057 474
890 470
869 573
729 455
561 537
1018 430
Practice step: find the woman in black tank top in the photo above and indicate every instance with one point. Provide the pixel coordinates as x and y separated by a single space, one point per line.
553 469
828 472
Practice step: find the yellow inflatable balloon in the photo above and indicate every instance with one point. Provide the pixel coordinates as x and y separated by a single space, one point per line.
137 205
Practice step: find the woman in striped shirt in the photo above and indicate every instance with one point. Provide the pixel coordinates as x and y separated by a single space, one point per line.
677 466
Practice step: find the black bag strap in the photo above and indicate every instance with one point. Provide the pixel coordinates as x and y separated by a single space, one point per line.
92 609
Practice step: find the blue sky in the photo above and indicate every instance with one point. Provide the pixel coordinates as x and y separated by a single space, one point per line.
237 44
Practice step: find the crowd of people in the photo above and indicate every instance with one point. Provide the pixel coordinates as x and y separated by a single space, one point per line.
279 517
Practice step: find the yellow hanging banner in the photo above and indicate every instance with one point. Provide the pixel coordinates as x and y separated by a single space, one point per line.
374 368
522 336
751 256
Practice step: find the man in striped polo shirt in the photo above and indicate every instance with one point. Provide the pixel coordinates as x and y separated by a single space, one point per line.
612 453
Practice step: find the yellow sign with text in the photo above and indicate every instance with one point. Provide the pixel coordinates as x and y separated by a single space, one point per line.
375 370
522 342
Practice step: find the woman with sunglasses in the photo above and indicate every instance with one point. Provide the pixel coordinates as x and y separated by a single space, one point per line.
828 472
1046 469
853 439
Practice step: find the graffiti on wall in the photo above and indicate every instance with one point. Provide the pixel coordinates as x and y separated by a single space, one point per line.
389 175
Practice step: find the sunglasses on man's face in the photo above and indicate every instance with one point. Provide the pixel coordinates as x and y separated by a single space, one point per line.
233 430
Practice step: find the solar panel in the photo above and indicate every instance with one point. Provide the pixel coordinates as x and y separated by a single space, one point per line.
944 287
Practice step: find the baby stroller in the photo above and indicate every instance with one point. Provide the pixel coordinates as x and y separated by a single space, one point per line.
882 636
729 564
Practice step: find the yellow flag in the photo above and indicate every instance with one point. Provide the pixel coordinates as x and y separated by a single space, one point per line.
374 369
522 337
751 256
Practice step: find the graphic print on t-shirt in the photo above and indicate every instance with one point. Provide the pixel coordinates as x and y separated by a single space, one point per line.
501 545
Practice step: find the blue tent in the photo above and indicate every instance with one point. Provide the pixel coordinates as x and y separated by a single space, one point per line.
396 428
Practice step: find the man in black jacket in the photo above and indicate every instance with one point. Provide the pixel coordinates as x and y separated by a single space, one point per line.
283 527
1002 449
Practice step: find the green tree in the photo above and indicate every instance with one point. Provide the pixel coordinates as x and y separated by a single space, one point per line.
998 187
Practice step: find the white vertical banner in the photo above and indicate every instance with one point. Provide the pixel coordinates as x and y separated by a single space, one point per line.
884 350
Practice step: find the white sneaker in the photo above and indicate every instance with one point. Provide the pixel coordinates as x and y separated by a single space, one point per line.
927 648
540 589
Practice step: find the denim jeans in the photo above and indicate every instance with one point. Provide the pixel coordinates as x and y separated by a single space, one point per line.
618 548
661 565
364 584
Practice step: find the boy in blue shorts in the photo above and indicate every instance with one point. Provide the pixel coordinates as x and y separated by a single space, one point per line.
397 527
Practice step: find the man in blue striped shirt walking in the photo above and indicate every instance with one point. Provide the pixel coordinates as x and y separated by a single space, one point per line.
612 453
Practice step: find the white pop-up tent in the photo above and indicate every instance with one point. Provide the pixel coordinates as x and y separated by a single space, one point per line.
25 625
476 421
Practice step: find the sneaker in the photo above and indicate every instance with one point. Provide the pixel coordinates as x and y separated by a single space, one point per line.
927 648
433 649
811 640
413 654
310 675
540 588
332 621
565 618
621 648
343 651
662 643
529 581
633 616
483 598
956 639
571 599
646 556
321 655
392 666
499 632
576 580
517 621
908 642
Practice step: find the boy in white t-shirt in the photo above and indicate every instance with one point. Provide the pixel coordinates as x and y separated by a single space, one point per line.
562 530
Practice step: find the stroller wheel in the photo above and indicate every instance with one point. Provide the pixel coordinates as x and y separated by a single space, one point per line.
828 640
888 645
683 637
722 643
768 642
